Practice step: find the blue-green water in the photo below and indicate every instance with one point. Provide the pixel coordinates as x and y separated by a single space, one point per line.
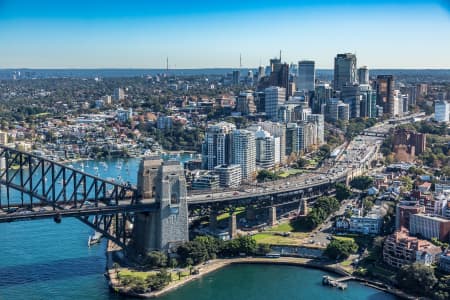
44 260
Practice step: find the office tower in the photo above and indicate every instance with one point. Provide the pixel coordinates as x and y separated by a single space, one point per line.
277 130
343 111
441 111
236 77
363 75
368 107
119 94
351 95
216 148
261 73
422 90
322 93
385 93
331 110
306 75
244 152
344 70
405 103
319 121
279 75
274 98
260 101
245 103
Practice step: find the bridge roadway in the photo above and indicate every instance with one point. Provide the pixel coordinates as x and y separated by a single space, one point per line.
356 154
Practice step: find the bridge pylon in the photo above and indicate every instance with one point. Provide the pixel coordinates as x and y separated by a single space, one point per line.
167 227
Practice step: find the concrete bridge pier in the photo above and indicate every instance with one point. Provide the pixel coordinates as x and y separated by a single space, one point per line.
213 221
232 226
165 184
250 213
272 216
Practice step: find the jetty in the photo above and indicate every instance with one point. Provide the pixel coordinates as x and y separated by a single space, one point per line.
336 282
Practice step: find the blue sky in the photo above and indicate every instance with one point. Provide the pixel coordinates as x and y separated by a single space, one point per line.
198 34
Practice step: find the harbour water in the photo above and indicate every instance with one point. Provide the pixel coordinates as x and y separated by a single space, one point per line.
44 260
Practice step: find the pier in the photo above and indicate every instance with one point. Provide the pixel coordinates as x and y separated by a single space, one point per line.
336 282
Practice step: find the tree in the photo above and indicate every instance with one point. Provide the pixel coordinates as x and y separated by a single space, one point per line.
407 183
265 175
302 162
342 191
367 204
361 182
173 263
341 248
156 259
417 278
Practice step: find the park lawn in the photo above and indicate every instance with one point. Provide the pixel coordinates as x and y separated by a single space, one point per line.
285 227
272 239
126 273
226 215
290 172
343 238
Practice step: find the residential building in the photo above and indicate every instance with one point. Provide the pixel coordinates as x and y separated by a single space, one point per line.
400 249
229 175
119 94
206 182
403 212
216 148
319 122
244 152
277 130
444 262
430 226
441 111
414 142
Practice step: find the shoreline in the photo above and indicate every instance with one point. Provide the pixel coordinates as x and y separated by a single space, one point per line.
217 264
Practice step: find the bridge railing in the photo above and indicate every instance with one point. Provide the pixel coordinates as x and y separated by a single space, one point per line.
28 180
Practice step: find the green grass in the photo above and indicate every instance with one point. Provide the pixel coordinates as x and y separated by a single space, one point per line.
290 172
285 227
272 239
344 238
125 273
226 215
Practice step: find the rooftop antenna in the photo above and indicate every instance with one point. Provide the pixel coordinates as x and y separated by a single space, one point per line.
240 60
280 55
167 63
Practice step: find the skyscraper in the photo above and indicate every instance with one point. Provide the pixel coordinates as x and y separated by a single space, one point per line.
323 92
274 98
216 148
245 103
441 111
363 75
344 70
306 75
385 93
244 152
352 96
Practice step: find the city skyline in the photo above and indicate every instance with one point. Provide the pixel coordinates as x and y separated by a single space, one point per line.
93 34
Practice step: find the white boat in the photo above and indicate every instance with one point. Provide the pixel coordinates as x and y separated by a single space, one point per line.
94 239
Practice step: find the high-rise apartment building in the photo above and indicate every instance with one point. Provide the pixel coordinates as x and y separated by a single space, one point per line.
244 152
319 121
441 111
277 130
274 97
306 75
216 148
344 70
119 94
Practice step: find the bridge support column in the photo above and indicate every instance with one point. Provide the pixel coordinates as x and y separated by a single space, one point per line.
272 215
168 227
232 226
213 221
250 213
